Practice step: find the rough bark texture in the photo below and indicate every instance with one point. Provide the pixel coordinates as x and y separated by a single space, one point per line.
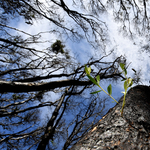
130 132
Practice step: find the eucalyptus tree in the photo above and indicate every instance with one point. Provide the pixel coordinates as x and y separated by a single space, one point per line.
28 81
35 78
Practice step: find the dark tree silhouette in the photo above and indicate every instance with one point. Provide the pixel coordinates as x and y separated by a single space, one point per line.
34 77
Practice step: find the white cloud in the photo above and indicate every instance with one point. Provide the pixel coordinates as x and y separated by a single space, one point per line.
131 49
83 51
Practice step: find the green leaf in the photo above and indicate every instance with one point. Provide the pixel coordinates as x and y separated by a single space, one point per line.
98 78
93 80
130 82
87 70
125 71
96 92
122 66
109 89
125 86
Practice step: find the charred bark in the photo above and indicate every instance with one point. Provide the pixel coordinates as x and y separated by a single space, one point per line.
18 87
132 131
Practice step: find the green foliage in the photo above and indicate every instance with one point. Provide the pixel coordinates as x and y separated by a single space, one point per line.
124 71
87 70
97 81
109 89
93 80
58 47
127 84
96 92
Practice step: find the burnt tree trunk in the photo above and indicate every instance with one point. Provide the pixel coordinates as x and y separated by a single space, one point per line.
130 132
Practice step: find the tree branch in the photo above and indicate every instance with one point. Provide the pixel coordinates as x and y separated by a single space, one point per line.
18 87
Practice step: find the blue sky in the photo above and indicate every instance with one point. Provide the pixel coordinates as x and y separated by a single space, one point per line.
82 50
121 44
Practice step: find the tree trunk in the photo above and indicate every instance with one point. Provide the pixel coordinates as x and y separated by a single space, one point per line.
130 132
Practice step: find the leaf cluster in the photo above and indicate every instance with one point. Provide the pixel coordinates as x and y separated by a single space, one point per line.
58 47
127 83
97 81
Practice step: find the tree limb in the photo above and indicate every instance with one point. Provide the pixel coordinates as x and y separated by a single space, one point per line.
18 87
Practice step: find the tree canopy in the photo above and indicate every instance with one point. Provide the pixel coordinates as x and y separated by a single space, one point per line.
39 76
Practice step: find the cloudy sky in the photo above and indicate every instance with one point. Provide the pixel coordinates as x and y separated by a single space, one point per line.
121 44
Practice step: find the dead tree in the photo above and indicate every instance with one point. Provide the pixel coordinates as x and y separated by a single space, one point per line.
132 131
